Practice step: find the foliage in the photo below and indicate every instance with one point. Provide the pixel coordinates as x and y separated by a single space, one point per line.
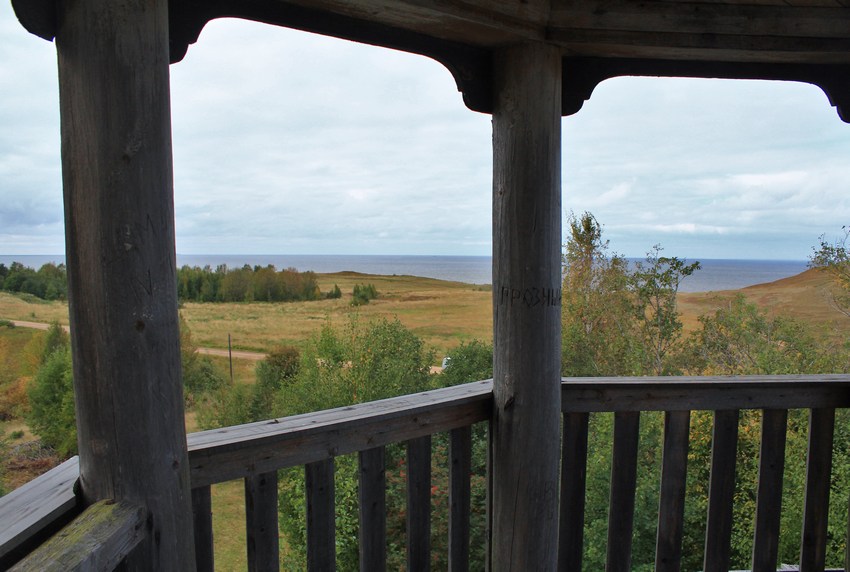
245 284
200 374
834 257
598 330
470 361
655 284
50 282
363 293
51 398
334 293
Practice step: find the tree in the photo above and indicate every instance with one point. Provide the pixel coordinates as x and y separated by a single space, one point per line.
51 397
598 326
655 284
834 257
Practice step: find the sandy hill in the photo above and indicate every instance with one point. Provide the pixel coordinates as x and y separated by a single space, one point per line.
805 296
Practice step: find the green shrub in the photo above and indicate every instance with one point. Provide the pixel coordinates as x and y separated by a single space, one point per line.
363 293
51 396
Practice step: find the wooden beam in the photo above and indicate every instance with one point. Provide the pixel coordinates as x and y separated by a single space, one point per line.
119 228
526 308
99 539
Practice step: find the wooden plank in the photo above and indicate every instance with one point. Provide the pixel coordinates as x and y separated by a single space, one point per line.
460 469
621 508
97 540
573 486
234 452
203 527
321 516
117 176
816 504
372 493
37 509
704 393
526 307
721 491
261 524
774 427
419 504
671 506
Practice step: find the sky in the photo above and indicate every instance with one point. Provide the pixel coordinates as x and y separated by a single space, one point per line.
292 143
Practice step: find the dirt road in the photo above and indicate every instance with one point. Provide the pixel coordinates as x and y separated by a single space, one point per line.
237 354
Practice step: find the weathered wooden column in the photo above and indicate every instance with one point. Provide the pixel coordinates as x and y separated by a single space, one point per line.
119 226
526 308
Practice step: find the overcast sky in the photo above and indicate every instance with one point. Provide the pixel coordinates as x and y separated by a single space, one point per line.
289 143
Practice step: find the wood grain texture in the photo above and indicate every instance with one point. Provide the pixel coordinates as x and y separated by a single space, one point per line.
263 538
119 235
460 469
97 540
621 507
233 452
419 504
372 496
37 509
774 427
704 393
203 527
321 516
671 505
721 491
526 308
816 503
573 490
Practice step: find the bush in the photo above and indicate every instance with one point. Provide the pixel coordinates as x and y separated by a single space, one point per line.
51 397
363 293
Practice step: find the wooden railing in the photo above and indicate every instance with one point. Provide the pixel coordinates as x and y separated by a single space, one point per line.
255 452
677 397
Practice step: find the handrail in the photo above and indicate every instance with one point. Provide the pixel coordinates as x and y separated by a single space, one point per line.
230 453
39 508
582 394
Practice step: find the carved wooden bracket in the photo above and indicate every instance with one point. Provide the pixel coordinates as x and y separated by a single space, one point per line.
471 66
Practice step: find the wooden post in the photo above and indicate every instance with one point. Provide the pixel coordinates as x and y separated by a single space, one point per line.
526 308
119 226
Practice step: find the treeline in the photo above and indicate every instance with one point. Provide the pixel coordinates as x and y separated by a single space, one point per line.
50 282
246 284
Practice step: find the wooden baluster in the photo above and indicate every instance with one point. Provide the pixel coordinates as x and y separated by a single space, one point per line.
321 521
621 509
373 510
724 449
261 522
816 505
671 506
460 451
573 485
774 426
419 504
202 522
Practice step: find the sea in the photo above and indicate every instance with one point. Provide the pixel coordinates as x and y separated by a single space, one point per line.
715 274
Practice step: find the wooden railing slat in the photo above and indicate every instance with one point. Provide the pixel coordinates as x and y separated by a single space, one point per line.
721 491
816 503
774 428
373 512
460 468
321 520
671 505
97 540
573 485
419 504
202 521
261 522
621 508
